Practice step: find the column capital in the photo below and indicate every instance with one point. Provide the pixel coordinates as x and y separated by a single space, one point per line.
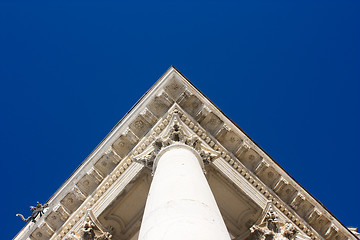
176 134
180 204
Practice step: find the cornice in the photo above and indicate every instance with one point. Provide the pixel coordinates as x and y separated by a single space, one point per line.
255 185
112 164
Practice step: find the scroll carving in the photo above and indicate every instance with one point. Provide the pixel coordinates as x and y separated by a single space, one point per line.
176 132
148 159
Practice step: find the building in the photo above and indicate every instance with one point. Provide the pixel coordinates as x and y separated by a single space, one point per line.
175 167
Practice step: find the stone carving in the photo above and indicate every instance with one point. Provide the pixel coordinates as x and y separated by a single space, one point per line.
272 221
89 231
35 211
208 155
289 231
104 236
148 159
271 228
176 133
139 124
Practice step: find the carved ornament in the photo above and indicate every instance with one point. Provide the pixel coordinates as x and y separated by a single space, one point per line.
271 227
176 132
91 229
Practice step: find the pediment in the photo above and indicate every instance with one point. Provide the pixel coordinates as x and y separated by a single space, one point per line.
113 182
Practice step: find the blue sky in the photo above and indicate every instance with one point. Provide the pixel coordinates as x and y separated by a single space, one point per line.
287 72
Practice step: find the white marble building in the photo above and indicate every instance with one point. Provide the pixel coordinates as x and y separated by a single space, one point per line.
175 167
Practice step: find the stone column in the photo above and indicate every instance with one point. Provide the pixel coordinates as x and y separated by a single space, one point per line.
180 204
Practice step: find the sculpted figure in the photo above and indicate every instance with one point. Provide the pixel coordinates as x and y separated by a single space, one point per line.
35 211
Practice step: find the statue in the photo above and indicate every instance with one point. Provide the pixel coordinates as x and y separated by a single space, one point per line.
35 211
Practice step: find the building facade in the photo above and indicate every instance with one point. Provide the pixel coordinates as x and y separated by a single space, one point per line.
175 167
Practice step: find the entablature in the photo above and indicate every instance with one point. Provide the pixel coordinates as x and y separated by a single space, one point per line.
114 163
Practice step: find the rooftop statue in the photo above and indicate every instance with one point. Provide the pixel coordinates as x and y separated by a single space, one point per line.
35 211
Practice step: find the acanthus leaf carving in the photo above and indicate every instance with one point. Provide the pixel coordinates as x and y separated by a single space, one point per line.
90 230
272 228
176 132
148 156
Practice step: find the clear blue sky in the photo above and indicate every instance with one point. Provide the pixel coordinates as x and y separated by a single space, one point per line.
287 72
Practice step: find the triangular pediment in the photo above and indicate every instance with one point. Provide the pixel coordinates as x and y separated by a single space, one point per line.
111 185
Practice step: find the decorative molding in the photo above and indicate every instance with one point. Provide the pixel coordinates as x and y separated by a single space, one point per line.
175 132
91 229
177 127
202 124
271 227
249 176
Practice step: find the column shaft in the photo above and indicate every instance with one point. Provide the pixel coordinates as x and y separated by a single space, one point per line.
180 204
